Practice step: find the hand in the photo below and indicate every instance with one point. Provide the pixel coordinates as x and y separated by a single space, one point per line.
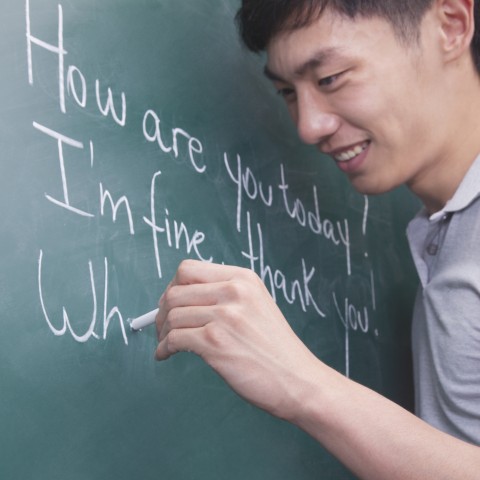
226 315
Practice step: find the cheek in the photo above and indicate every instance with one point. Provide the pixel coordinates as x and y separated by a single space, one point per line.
361 100
362 111
387 114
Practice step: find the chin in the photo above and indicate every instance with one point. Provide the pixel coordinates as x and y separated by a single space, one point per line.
366 186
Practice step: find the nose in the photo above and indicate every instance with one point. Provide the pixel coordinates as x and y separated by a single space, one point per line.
315 121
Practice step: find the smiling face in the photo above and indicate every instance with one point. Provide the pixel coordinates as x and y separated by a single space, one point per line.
372 103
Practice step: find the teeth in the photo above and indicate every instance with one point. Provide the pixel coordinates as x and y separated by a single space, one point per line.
349 154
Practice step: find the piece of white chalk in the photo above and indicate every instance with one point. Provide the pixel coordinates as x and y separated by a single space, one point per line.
144 320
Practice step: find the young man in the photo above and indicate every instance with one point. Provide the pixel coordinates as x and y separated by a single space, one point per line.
390 90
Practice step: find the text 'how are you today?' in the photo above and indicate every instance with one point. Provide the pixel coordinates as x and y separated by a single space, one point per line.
167 231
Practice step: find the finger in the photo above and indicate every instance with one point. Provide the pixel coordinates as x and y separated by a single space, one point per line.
199 294
195 271
163 294
183 296
187 317
162 309
182 340
188 273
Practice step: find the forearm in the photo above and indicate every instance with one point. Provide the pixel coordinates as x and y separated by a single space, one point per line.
374 437
226 316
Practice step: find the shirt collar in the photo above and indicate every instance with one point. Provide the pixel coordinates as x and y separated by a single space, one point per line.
466 193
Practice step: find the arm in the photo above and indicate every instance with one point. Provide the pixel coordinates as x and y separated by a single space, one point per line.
225 315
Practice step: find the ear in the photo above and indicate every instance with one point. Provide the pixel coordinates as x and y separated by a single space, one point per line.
457 26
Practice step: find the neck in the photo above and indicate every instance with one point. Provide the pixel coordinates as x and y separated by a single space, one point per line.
437 184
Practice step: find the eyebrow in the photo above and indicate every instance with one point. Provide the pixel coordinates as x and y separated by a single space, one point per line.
317 59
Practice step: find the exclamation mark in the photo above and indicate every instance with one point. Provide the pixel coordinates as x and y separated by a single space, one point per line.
364 231
365 217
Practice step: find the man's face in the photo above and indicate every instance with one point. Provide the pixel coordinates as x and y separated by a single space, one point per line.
362 97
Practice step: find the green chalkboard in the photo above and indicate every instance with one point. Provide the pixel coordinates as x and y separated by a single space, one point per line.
133 134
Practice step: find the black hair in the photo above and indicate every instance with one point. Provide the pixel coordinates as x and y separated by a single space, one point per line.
260 20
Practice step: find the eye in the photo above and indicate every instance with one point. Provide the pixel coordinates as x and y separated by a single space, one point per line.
287 93
329 81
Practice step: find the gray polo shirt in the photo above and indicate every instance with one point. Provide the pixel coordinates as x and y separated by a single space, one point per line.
446 323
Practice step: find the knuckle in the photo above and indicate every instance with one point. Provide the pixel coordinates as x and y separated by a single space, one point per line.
171 342
229 314
169 323
247 274
172 319
169 297
244 284
247 278
236 290
184 268
216 336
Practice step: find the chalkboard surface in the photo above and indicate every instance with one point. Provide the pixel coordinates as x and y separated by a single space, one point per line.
136 133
